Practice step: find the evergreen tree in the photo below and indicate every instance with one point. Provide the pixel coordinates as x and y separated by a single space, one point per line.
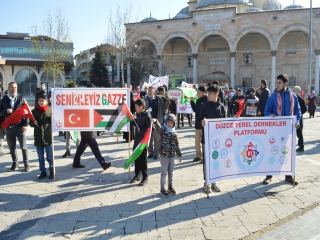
98 70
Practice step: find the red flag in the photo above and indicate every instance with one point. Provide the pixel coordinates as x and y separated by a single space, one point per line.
76 117
241 107
17 115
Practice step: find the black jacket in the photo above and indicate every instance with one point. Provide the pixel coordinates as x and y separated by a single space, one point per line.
222 97
18 102
302 103
88 134
196 107
42 132
263 100
236 105
143 121
211 110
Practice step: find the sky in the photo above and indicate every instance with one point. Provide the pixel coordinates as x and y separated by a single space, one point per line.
88 20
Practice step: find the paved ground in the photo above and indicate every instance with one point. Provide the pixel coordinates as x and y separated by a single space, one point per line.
91 204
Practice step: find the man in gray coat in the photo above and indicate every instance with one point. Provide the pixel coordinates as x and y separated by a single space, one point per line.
157 108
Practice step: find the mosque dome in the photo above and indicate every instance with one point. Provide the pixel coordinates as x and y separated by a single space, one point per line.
254 10
206 3
293 6
271 5
184 13
149 19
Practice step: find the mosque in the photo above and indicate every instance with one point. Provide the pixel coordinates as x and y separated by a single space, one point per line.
237 42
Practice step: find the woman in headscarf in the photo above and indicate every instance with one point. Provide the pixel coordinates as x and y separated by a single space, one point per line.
312 104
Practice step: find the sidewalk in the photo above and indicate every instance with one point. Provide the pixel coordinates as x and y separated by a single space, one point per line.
91 204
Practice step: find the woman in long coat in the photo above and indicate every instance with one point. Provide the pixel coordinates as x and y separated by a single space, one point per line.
312 104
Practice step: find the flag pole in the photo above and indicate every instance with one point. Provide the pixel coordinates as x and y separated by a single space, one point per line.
52 140
129 141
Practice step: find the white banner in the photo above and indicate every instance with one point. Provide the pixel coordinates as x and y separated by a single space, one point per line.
188 85
87 109
158 81
184 108
245 147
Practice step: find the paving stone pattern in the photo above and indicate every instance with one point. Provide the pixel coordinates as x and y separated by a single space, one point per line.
93 204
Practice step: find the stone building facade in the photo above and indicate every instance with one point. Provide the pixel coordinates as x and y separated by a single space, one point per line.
235 42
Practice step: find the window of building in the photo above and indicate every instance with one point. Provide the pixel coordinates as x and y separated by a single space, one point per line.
291 45
292 82
27 82
46 78
247 45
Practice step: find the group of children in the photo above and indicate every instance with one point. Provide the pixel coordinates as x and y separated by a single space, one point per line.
168 143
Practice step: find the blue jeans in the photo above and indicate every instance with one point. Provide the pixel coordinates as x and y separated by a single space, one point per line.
40 152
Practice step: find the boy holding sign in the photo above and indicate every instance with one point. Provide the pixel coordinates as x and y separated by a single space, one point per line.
211 109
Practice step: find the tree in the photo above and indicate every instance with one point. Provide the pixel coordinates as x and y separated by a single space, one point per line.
98 70
118 35
55 46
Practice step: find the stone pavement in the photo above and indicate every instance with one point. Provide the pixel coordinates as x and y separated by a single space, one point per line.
93 204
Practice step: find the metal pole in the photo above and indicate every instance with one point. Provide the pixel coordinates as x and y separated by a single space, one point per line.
310 48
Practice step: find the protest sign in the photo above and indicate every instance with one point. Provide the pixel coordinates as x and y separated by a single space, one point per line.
245 147
184 108
87 109
158 81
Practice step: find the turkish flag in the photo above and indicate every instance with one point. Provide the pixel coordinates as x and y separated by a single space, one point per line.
241 107
17 115
76 118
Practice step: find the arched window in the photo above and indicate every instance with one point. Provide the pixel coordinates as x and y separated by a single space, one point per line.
291 45
27 82
48 80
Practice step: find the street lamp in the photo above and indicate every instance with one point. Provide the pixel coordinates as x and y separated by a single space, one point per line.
310 48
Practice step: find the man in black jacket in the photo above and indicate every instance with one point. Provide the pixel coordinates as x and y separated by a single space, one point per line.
11 102
265 94
235 99
196 107
303 109
89 139
211 109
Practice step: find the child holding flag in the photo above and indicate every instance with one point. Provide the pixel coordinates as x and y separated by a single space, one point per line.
144 128
169 146
43 135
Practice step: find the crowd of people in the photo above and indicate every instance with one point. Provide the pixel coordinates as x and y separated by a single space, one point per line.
153 108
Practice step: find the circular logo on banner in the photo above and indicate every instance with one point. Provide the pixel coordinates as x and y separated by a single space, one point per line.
249 153
58 124
183 106
285 150
274 150
228 142
224 153
215 165
272 140
271 160
216 144
283 160
227 163
215 154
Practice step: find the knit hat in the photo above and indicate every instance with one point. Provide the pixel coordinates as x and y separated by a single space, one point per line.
202 89
172 118
215 82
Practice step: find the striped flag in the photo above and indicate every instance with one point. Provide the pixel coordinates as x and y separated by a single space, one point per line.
122 119
138 150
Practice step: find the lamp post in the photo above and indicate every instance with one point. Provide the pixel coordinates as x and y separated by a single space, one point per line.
310 48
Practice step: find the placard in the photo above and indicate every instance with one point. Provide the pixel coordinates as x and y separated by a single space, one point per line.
245 147
87 109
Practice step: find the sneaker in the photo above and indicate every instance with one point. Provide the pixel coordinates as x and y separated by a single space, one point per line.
164 193
14 167
300 149
42 175
143 182
196 159
27 168
150 156
215 187
171 191
51 176
290 180
267 180
78 165
135 179
206 189
156 157
106 165
66 154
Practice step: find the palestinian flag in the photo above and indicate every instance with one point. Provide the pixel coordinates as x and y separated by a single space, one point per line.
74 136
122 119
105 117
138 150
